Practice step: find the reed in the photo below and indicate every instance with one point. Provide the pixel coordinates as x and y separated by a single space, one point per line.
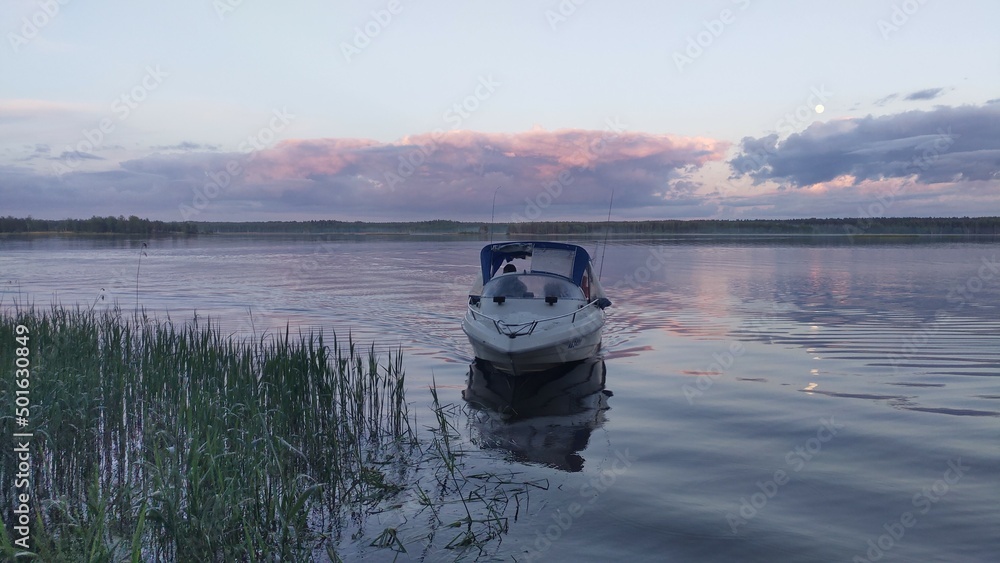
484 498
166 442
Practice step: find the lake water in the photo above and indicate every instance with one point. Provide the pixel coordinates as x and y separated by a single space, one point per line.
758 400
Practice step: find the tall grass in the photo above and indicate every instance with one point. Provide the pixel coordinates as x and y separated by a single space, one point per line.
162 442
484 497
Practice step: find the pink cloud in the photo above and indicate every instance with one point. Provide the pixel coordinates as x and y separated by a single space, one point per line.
303 158
26 108
545 175
450 174
455 157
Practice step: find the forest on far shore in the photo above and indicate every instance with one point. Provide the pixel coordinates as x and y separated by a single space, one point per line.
846 226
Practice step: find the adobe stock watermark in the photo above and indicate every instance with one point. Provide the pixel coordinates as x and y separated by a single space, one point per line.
32 26
289 282
364 34
325 252
564 518
786 125
463 109
927 153
795 460
219 181
225 7
699 43
922 501
455 116
721 363
534 207
561 12
658 258
959 295
122 108
804 113
900 16
762 326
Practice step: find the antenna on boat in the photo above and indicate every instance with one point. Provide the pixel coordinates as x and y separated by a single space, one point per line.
607 231
493 212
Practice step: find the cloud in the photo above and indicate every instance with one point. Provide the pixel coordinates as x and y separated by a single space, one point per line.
564 174
918 163
24 109
883 101
928 94
546 174
187 146
940 146
455 169
40 151
894 197
75 155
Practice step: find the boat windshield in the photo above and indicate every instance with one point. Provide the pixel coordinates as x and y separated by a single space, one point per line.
531 286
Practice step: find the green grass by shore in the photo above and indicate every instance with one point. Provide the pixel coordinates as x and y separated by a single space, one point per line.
166 442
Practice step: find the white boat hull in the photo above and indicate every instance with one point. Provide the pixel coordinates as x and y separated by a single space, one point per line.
569 339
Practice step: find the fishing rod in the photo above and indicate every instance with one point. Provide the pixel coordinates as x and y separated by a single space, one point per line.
493 212
607 231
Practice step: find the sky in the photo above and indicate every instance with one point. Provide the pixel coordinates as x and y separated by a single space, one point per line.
403 110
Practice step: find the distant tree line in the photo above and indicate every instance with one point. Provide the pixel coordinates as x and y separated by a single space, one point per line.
873 226
438 226
135 226
106 225
847 226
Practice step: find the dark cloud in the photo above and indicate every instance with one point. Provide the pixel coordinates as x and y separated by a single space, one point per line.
887 198
544 174
75 155
80 194
39 150
557 172
943 161
943 145
928 94
187 146
882 101
178 167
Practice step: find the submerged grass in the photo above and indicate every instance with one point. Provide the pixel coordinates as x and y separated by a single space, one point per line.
176 443
484 498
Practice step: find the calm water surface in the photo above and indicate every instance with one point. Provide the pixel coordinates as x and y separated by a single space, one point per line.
766 400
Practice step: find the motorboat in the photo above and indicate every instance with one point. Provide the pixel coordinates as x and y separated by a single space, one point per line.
536 305
547 418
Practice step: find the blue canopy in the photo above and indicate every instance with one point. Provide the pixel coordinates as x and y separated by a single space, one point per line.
567 260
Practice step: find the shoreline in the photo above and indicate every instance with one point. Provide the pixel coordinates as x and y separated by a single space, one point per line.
988 226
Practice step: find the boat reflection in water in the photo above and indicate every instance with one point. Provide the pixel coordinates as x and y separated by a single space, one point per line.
545 418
